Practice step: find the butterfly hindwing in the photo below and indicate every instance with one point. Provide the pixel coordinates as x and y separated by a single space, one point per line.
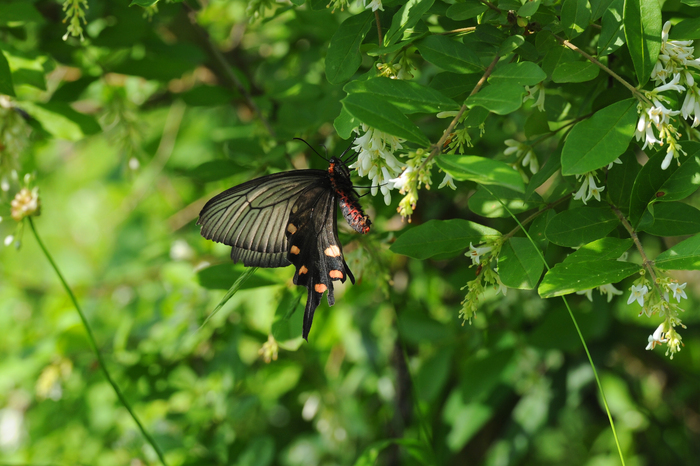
314 249
252 216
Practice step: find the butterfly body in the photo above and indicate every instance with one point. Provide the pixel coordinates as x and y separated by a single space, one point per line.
290 218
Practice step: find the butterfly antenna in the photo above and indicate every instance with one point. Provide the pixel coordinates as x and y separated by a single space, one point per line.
324 158
350 158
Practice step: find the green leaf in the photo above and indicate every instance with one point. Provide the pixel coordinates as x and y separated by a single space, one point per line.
483 203
612 34
143 3
453 84
14 14
603 249
518 74
683 256
466 10
481 170
380 114
581 225
519 264
501 99
510 44
674 219
406 18
536 123
565 278
621 180
289 319
344 57
61 121
673 184
529 8
550 167
598 141
575 72
437 237
220 277
599 7
6 86
450 55
408 96
538 227
555 56
27 67
575 15
642 20
344 123
688 29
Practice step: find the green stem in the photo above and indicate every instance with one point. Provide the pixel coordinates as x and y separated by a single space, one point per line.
532 217
578 330
93 343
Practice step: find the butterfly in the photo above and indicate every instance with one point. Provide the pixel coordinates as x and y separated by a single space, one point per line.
290 218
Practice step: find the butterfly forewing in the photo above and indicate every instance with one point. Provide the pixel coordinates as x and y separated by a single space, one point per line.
251 217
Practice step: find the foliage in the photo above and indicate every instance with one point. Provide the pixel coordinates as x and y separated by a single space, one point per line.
564 135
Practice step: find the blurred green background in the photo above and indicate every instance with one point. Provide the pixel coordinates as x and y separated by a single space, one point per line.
132 131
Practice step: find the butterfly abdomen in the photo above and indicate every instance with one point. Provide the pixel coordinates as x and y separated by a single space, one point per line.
347 199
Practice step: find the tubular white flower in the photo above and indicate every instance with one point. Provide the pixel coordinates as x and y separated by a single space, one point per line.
476 253
657 338
609 290
673 85
376 159
637 293
448 181
588 293
678 292
374 5
531 160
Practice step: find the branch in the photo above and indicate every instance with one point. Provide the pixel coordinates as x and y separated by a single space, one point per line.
648 264
437 148
635 92
533 216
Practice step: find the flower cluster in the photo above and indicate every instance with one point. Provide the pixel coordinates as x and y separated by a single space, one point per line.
269 350
524 155
25 203
483 257
673 72
657 298
75 12
411 179
376 159
400 70
588 188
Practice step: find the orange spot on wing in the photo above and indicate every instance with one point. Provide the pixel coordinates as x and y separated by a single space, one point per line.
303 270
332 251
335 274
294 250
291 228
320 287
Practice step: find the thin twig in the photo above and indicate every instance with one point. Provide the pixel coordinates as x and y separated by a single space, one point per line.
437 148
532 217
648 264
458 31
636 92
95 349
379 27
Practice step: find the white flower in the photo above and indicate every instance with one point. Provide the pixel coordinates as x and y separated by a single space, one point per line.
673 85
448 181
374 5
476 253
609 290
617 161
588 293
637 293
657 338
678 292
514 147
588 188
376 159
530 94
9 239
691 105
531 159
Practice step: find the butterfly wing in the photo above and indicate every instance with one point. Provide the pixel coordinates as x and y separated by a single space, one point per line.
314 248
251 217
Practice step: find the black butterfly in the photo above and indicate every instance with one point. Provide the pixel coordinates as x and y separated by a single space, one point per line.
290 218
